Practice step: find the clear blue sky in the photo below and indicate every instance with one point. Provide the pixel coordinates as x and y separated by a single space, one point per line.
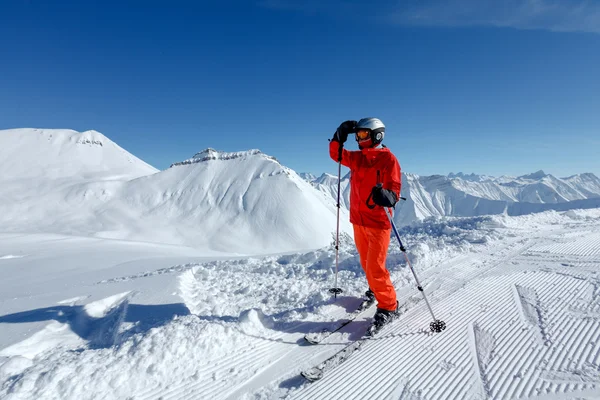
462 85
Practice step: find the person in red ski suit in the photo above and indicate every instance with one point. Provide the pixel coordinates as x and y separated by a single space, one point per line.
375 183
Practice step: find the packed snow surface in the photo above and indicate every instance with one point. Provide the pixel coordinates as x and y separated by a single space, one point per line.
85 318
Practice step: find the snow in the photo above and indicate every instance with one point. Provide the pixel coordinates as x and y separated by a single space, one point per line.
42 154
520 322
242 202
467 195
143 293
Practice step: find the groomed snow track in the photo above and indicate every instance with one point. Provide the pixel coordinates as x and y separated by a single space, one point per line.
523 323
526 327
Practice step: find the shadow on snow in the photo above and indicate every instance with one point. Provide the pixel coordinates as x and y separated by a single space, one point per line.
103 331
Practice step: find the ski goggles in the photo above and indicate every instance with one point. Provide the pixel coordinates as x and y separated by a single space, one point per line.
363 134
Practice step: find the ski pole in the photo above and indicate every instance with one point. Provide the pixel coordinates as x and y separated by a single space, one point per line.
335 289
437 325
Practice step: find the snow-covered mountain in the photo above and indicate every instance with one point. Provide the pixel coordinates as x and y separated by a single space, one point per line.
327 183
52 154
473 195
59 181
307 176
62 181
243 200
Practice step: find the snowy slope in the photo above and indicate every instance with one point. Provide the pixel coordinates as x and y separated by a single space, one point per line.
243 202
44 154
56 181
65 182
587 184
328 183
519 295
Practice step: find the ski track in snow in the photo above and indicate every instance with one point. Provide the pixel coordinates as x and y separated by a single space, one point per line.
583 247
521 366
531 312
482 348
161 271
522 309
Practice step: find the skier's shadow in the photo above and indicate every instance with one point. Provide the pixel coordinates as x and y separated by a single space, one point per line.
348 303
274 321
102 332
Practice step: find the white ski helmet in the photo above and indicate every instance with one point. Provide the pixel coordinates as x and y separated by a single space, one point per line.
375 126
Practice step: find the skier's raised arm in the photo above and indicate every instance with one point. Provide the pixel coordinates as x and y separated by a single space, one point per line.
336 146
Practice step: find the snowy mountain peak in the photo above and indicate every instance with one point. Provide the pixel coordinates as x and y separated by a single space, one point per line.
468 177
47 154
535 176
583 176
307 176
210 154
91 137
326 179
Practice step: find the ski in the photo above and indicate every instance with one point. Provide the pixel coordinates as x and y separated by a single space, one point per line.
318 337
315 373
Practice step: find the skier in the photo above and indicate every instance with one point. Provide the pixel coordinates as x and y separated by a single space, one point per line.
375 182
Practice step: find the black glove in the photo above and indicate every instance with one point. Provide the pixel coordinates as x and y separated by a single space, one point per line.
383 197
345 128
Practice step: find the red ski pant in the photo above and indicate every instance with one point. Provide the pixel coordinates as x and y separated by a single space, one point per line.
372 245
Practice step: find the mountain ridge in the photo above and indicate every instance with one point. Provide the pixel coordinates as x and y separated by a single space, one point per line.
63 181
232 202
467 195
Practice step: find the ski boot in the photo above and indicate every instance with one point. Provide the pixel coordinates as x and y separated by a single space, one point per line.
367 300
382 317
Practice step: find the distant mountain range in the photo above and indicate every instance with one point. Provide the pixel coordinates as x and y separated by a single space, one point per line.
471 195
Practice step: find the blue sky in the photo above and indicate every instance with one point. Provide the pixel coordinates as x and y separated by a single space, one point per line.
462 85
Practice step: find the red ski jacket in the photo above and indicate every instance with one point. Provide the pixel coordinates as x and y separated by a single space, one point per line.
368 167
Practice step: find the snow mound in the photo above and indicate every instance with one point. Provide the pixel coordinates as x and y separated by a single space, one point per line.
255 322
